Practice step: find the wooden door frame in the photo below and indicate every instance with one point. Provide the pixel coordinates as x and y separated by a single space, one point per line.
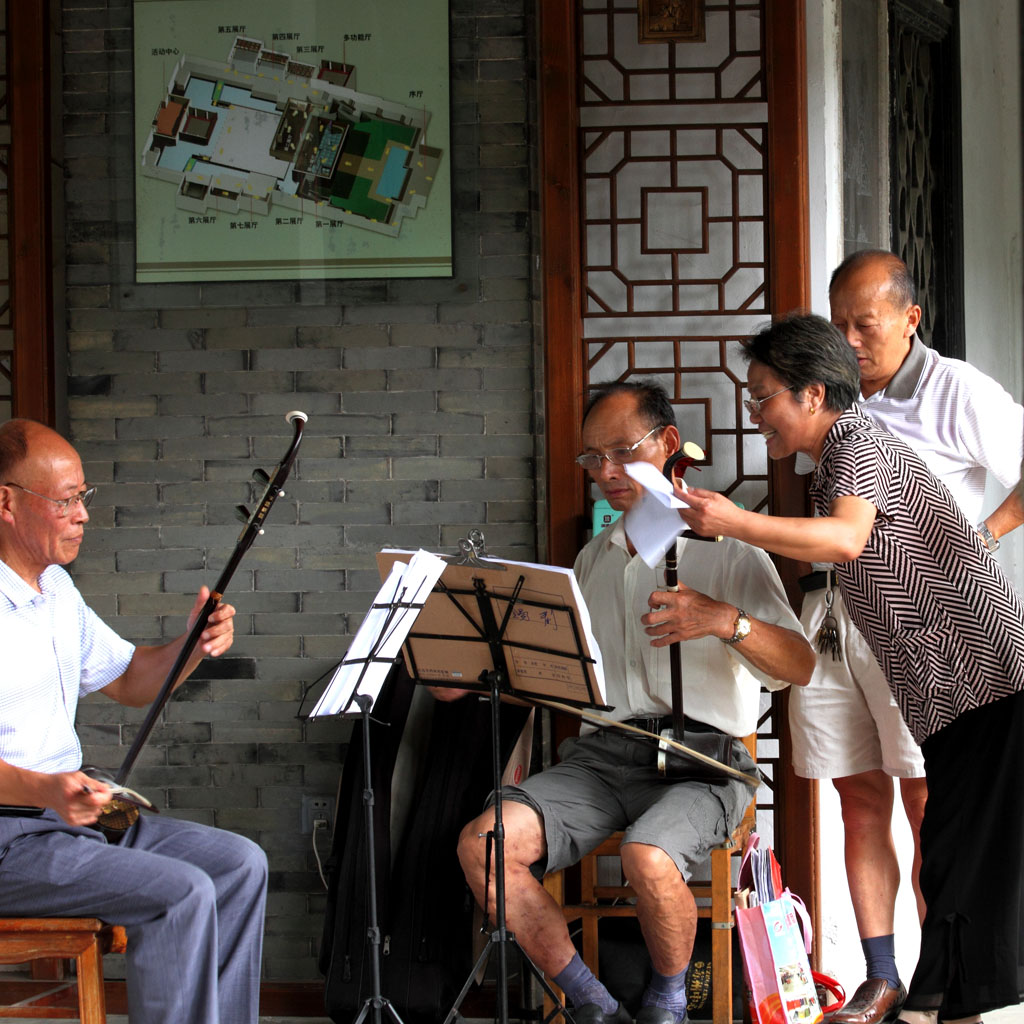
33 392
788 288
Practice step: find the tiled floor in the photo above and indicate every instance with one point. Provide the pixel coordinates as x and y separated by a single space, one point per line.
1009 1015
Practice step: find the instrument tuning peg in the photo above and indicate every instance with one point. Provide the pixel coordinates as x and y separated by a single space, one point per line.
242 513
261 475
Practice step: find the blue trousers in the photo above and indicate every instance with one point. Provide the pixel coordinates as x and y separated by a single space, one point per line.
191 899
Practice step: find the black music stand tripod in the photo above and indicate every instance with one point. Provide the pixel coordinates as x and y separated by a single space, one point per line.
383 627
500 937
376 1004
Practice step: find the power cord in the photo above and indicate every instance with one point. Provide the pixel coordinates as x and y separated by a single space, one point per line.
319 825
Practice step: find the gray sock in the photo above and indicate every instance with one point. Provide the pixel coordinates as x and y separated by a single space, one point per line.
580 986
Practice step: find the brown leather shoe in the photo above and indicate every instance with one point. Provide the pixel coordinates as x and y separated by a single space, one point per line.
874 1002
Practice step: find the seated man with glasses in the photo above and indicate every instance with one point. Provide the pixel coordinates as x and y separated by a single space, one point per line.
191 898
736 632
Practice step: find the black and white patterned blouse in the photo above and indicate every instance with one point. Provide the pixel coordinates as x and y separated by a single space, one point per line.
940 616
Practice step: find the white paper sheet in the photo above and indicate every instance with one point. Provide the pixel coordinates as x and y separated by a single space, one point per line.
653 522
381 635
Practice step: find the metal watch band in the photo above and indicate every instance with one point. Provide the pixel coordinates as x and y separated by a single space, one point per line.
986 535
741 628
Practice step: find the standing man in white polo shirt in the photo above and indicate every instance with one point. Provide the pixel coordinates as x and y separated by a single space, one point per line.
846 726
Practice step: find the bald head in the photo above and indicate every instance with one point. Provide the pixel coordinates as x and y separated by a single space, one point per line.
872 299
39 526
26 442
901 287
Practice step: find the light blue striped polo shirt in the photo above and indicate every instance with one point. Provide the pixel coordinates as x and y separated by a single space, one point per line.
53 650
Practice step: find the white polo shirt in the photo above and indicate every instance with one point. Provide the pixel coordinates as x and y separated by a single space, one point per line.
962 423
720 687
55 650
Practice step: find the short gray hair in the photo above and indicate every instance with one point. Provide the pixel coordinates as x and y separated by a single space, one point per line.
802 349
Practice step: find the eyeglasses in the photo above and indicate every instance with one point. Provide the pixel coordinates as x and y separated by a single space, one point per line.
617 456
753 405
63 504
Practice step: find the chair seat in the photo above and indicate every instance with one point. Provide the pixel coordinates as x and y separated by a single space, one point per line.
714 900
84 939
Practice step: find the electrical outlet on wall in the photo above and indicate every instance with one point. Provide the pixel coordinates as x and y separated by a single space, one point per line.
317 808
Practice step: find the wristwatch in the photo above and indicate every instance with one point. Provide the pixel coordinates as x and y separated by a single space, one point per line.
741 628
986 535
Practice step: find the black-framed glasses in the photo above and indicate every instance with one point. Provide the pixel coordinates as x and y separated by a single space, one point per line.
63 504
753 405
617 456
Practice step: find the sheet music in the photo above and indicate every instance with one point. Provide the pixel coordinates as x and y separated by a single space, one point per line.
547 628
378 642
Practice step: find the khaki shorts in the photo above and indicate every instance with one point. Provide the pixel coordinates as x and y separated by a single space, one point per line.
845 721
607 782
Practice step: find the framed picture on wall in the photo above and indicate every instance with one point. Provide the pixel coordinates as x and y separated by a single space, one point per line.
671 21
300 140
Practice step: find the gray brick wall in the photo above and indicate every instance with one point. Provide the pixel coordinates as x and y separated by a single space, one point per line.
421 398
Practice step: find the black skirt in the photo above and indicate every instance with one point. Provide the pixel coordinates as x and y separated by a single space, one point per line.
972 848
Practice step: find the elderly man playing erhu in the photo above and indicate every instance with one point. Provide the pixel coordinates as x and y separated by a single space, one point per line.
191 898
736 632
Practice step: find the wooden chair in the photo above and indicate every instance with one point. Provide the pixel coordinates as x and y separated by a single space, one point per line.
84 939
714 900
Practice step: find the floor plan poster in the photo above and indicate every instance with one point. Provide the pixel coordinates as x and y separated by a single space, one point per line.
291 140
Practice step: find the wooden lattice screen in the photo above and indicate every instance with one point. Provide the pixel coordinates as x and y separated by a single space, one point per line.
672 143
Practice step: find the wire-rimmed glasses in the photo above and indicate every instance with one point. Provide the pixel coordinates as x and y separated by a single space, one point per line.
616 456
753 405
63 504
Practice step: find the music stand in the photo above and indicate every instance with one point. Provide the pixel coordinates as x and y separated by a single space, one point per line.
527 630
356 684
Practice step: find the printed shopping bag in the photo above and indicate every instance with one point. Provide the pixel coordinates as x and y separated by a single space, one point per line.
775 938
775 964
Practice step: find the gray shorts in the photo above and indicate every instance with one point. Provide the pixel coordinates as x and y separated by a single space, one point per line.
607 782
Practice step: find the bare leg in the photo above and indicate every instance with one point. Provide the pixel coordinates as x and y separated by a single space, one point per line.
874 877
871 865
665 906
915 795
530 912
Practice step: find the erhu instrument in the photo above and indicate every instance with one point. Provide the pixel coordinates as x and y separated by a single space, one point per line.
714 746
122 812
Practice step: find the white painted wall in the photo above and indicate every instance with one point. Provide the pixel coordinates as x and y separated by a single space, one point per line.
825 152
992 172
840 944
994 267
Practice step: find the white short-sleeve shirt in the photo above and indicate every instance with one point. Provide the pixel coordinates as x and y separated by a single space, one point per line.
962 424
55 650
720 687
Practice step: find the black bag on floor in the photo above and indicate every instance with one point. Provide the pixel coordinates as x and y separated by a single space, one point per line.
625 967
424 905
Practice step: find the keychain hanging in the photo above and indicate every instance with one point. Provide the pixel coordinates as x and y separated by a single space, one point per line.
828 631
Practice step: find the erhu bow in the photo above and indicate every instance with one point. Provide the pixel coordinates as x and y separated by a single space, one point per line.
123 810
